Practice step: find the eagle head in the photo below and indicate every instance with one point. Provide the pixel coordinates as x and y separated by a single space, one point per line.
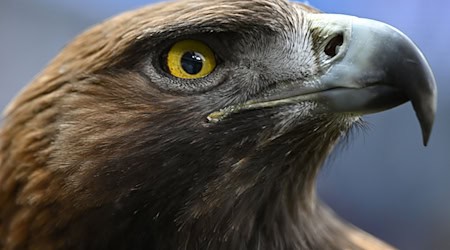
199 125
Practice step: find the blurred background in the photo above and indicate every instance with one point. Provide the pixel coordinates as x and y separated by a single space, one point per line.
385 181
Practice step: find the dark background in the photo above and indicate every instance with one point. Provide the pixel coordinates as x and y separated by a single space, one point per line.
385 181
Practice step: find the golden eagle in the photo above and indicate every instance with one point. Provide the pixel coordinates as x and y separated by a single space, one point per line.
199 124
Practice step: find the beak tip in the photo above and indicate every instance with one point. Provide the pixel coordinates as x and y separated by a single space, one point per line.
426 132
426 138
426 124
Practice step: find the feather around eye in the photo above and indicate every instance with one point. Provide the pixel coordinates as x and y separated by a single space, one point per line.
190 59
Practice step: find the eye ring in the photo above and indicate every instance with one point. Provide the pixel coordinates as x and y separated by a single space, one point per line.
190 59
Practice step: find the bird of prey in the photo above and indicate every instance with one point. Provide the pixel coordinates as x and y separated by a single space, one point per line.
199 124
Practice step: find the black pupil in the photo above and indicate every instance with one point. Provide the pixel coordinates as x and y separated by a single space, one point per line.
192 62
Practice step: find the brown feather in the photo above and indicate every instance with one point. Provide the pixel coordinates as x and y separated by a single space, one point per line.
67 130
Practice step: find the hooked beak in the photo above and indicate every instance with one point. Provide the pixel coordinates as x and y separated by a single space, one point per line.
372 67
376 68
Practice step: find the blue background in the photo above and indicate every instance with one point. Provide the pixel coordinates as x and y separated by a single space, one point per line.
385 181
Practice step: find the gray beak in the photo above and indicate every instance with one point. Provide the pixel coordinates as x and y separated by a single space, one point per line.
370 67
374 67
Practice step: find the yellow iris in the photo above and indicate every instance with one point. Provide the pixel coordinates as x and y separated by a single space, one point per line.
190 59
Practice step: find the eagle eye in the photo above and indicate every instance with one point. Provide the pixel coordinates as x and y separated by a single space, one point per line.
190 59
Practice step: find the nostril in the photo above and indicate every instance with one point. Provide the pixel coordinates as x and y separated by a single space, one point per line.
334 45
